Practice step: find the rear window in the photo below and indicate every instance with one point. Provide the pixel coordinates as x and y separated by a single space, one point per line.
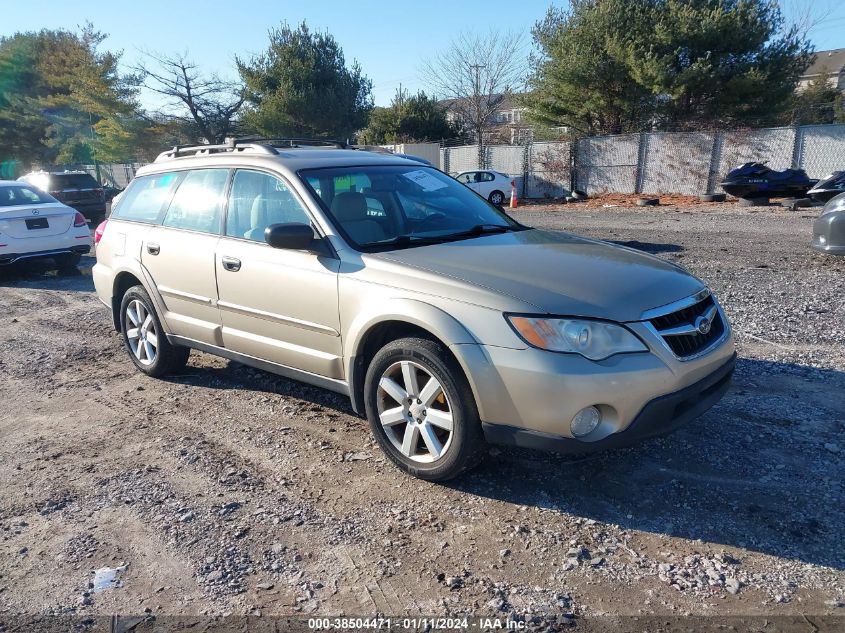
72 181
146 197
14 195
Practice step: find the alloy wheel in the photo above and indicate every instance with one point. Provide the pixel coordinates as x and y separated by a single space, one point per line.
415 412
141 332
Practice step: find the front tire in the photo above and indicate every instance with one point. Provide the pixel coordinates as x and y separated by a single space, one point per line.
145 339
422 411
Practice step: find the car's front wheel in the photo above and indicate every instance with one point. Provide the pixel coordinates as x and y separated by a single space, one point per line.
422 411
144 337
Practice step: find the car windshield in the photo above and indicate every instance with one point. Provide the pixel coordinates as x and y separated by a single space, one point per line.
384 207
14 195
72 181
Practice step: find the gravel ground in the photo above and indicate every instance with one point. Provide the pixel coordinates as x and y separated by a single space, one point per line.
226 490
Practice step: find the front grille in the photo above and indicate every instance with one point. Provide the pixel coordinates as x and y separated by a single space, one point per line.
680 329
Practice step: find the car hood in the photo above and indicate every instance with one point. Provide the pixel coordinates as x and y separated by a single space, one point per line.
558 273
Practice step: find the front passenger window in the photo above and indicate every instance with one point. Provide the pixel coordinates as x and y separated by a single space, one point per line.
259 200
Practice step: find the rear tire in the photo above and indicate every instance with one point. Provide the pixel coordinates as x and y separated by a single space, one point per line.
145 339
497 198
68 260
431 430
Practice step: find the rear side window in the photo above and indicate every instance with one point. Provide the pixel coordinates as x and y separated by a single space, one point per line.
198 203
146 197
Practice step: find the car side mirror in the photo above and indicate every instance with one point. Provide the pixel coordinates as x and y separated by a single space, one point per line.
293 236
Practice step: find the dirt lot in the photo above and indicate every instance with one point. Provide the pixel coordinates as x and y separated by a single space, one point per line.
227 490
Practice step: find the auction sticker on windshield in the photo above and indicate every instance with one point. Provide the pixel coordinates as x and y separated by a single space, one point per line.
425 180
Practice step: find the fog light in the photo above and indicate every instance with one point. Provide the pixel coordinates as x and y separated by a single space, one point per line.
585 421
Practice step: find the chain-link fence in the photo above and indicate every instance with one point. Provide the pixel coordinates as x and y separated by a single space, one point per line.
656 162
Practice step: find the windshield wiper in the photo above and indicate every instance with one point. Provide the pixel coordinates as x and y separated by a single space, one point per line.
414 240
408 240
482 229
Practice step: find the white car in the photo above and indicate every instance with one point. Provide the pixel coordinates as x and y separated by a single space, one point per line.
491 184
34 224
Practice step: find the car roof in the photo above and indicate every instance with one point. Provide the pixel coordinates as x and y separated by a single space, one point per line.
291 160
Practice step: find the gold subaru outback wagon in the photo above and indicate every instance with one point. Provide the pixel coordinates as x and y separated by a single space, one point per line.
447 323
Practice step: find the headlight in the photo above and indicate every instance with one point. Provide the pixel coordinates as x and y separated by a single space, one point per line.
837 203
595 340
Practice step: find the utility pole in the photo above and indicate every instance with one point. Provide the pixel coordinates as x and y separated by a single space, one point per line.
479 121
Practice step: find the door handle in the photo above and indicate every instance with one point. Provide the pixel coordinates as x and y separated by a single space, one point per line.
231 264
153 248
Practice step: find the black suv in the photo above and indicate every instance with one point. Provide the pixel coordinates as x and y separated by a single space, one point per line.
77 189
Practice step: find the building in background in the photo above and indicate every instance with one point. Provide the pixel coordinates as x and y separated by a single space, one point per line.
831 63
506 125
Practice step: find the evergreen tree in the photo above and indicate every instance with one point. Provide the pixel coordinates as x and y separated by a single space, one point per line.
301 86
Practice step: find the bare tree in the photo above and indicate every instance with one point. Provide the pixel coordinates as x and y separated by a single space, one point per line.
205 102
806 16
477 72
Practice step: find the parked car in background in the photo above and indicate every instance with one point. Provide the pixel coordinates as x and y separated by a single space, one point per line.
446 322
490 184
110 192
33 225
829 227
77 189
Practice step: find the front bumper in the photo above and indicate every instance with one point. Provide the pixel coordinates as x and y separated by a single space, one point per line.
660 416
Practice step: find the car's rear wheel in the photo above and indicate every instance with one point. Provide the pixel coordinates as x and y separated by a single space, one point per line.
144 337
497 198
68 260
422 411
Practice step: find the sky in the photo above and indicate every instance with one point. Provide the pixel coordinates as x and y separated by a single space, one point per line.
391 39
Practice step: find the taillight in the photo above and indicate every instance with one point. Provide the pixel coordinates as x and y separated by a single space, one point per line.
98 233
513 184
79 220
56 194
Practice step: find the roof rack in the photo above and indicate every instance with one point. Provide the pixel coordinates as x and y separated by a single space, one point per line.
231 145
295 142
258 145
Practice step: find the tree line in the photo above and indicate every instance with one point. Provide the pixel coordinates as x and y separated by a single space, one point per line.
596 67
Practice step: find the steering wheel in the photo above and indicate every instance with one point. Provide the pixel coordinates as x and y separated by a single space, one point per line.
430 218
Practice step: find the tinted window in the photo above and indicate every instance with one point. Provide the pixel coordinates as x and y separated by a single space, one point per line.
198 203
72 181
146 197
257 201
21 194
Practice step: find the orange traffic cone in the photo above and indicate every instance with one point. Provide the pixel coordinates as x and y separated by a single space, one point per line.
514 199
